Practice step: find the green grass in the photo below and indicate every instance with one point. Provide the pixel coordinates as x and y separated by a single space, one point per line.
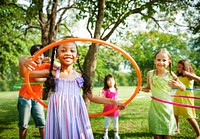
133 122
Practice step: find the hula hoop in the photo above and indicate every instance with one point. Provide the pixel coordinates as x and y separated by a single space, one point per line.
174 103
196 89
186 96
93 41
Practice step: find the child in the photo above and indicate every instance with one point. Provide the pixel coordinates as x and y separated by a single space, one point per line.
160 116
67 115
27 105
187 76
110 91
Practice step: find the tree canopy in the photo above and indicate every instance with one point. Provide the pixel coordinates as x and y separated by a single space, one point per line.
34 22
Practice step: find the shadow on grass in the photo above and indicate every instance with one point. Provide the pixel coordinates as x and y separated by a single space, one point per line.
8 115
124 135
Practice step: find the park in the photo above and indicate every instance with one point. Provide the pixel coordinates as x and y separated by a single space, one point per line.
139 28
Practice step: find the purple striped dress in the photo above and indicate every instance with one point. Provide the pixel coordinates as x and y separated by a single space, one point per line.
67 116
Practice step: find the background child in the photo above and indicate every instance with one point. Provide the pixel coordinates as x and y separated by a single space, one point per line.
187 76
67 116
110 91
160 116
27 105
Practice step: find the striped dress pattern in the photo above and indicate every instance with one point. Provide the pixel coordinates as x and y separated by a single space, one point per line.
67 116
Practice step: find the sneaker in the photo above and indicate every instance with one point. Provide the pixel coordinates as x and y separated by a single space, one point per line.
117 137
176 132
105 137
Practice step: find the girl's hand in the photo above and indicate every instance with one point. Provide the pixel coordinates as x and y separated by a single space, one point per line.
173 83
121 105
145 89
185 73
46 60
176 84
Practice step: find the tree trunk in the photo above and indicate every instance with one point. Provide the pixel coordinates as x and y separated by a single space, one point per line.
92 54
49 29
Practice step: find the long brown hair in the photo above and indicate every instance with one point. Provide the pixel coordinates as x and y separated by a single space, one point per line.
186 67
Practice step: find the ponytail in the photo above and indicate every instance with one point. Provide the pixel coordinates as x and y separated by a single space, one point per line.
87 82
49 84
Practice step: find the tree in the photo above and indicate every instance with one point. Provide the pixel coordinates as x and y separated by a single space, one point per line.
145 45
104 17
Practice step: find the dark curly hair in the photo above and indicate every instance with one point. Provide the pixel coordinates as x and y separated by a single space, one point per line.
50 82
35 48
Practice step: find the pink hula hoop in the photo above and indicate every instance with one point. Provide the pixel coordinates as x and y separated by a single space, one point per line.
174 103
186 96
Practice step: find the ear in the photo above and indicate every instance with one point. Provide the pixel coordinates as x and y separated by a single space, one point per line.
154 61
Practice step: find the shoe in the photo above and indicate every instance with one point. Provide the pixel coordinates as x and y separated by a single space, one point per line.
105 137
117 137
176 132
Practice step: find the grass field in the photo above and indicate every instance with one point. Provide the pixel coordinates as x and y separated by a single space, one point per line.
133 122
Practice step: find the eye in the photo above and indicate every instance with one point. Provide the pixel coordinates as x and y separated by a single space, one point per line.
73 50
63 50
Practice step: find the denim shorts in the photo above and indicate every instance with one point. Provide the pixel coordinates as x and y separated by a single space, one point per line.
28 108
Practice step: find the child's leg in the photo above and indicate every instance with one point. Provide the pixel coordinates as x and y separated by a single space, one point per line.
22 133
157 136
116 127
106 124
24 110
195 125
166 137
177 123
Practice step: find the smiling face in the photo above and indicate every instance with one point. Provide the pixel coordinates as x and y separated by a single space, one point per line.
39 58
67 54
161 61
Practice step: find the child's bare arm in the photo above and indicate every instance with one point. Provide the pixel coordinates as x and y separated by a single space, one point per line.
177 84
24 64
103 100
191 76
147 88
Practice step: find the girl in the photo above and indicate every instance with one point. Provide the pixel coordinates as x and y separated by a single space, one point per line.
67 115
161 119
187 76
110 91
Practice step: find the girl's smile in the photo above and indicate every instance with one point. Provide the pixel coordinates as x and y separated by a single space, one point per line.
67 54
161 61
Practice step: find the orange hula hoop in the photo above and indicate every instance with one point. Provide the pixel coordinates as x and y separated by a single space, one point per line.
93 41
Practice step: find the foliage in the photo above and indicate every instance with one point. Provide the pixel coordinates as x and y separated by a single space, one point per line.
13 44
144 45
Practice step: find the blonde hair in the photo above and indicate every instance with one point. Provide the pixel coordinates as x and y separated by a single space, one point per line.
164 50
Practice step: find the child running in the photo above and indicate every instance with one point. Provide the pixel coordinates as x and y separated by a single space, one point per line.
160 81
110 91
67 116
187 76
